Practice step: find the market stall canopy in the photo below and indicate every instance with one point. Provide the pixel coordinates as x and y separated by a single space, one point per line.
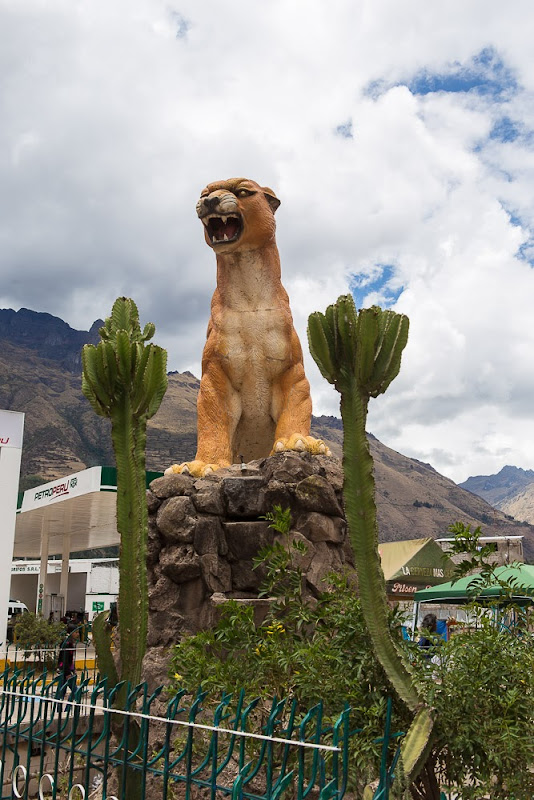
412 564
521 576
82 505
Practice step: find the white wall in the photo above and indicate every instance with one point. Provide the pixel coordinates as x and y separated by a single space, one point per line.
85 578
11 429
103 579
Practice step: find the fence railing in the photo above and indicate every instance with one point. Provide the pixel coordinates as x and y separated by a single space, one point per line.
74 740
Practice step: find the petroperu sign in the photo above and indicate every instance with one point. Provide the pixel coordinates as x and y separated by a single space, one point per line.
11 428
59 489
63 489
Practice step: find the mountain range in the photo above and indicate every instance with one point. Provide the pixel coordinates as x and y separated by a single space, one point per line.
511 490
40 370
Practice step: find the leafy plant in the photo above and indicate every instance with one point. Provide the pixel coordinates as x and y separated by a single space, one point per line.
483 690
305 648
34 634
283 581
478 559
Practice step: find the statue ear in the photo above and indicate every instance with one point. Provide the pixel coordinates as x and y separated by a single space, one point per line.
271 198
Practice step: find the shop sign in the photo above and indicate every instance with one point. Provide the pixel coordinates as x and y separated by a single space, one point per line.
427 572
34 569
71 486
24 569
398 587
11 429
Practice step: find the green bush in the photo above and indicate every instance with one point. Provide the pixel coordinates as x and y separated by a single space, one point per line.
305 648
483 692
482 688
33 633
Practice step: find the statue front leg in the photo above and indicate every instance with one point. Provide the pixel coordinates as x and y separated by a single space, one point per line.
292 409
219 410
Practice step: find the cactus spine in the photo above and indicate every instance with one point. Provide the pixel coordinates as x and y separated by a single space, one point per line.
124 379
360 354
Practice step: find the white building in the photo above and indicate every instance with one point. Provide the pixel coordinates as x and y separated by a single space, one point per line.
70 515
92 585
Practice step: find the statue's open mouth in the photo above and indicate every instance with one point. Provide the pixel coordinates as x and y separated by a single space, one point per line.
223 228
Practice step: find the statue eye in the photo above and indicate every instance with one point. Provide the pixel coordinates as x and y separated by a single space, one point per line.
244 193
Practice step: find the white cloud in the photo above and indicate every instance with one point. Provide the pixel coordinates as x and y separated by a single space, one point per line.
115 115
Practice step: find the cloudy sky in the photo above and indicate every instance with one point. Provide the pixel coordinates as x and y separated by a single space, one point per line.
399 137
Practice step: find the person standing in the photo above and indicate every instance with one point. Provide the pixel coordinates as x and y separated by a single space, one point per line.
429 628
66 665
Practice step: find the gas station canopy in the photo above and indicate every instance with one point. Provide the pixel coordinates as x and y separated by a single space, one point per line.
82 505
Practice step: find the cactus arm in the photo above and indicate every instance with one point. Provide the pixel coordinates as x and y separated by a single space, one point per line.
360 509
125 380
417 743
132 525
102 642
361 354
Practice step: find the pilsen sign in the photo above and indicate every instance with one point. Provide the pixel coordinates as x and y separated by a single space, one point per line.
399 588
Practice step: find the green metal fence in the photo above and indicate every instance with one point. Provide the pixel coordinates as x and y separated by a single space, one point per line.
71 740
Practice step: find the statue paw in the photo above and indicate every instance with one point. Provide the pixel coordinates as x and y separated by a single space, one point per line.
302 444
197 469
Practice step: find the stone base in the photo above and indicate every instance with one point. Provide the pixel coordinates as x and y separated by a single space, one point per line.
204 534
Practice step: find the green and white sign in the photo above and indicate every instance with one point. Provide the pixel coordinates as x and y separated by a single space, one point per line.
98 605
72 486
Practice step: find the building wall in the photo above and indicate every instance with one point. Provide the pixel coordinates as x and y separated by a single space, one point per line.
24 588
508 550
85 579
103 579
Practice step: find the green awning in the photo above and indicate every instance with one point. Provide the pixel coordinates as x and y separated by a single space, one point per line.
458 593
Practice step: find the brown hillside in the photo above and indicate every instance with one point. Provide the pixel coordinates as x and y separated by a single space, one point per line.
63 435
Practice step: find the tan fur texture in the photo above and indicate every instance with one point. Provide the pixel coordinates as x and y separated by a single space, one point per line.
254 396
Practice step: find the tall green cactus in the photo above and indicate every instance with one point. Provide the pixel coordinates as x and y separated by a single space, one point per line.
125 379
360 353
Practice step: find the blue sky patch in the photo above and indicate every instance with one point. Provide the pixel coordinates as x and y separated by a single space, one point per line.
485 74
526 251
376 283
504 130
345 130
182 24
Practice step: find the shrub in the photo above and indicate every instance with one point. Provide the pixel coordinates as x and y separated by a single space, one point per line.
483 693
308 649
34 633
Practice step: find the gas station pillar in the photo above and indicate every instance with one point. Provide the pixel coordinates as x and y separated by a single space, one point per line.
11 432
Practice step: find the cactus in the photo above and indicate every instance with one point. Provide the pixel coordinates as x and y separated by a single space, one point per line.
360 354
125 379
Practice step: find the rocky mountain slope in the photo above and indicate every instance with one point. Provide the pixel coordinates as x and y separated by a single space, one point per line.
40 375
511 490
502 487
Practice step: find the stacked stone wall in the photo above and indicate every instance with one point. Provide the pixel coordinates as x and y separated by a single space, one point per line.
204 534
